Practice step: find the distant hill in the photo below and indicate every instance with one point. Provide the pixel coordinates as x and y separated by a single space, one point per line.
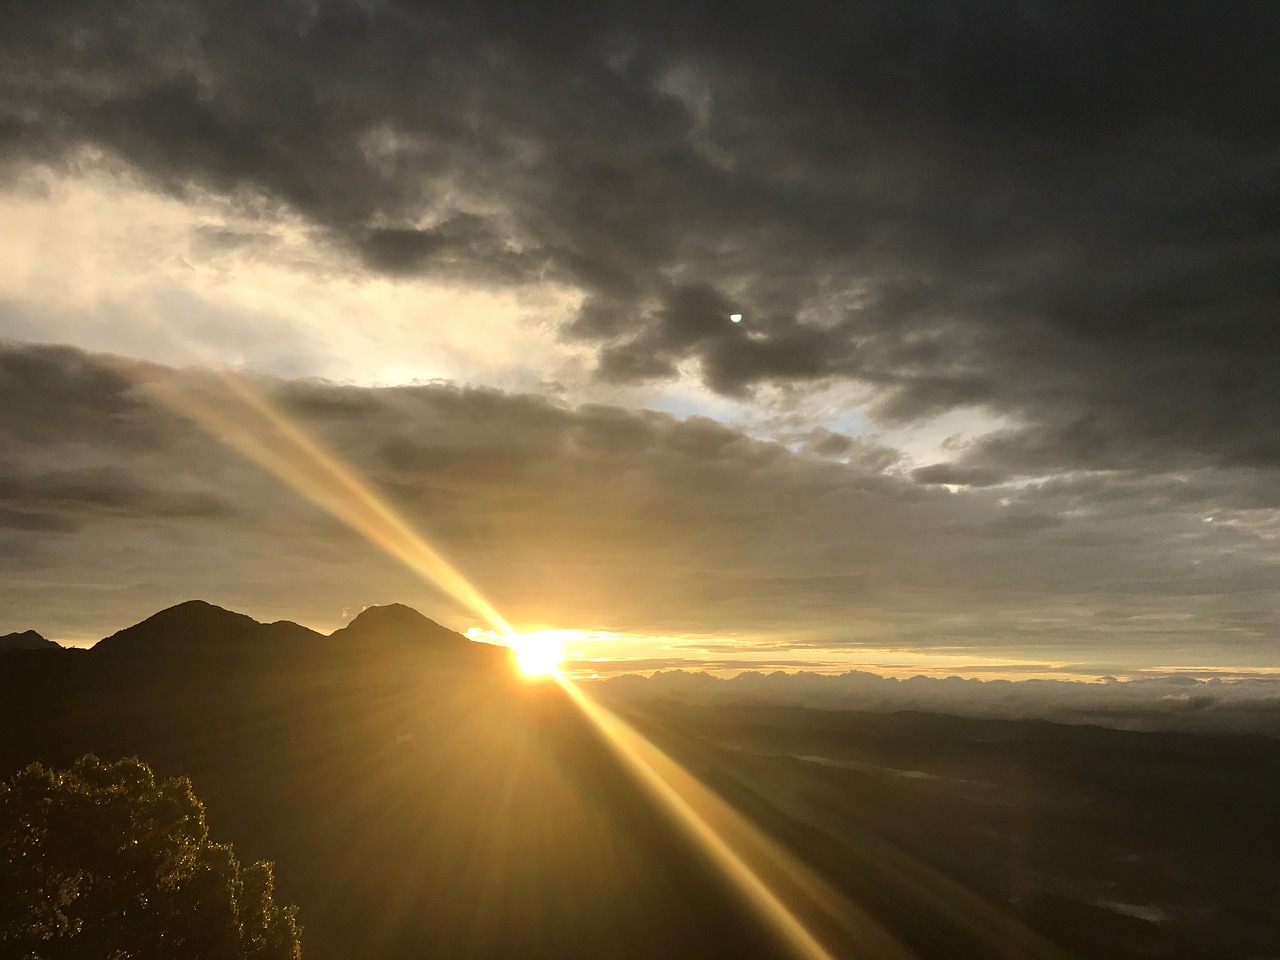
200 628
197 630
417 798
396 622
387 634
26 640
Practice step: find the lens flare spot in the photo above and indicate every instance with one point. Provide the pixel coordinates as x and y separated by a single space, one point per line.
537 656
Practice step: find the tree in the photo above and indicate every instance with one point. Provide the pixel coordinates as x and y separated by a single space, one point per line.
103 861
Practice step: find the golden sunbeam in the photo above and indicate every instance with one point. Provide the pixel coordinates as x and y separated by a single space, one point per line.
246 421
736 846
251 425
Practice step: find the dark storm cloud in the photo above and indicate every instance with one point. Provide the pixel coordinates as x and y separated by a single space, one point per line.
601 517
27 520
107 490
954 474
1068 214
57 394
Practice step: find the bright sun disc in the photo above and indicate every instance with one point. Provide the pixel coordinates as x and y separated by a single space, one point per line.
537 657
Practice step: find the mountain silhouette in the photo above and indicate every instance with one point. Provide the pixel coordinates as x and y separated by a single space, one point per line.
420 800
416 797
198 628
200 635
398 623
26 640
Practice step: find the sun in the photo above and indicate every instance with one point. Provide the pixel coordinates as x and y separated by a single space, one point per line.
537 656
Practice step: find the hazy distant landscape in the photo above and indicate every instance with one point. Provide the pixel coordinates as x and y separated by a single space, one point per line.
1175 702
418 799
1113 844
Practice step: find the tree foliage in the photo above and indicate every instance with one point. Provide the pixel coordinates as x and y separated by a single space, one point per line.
104 861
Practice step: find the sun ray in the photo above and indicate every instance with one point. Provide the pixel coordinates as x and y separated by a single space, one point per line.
755 864
245 420
229 407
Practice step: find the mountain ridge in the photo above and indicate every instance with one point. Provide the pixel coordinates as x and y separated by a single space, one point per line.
26 640
395 620
196 627
199 626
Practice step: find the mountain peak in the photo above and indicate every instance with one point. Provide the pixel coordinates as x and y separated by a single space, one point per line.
396 622
197 625
26 640
197 610
390 613
191 617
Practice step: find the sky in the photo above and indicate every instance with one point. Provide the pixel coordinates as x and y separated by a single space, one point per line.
1004 396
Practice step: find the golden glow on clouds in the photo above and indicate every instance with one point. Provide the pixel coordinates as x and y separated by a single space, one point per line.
177 281
585 654
99 261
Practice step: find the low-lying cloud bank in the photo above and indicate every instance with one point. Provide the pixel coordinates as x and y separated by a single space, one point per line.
1169 703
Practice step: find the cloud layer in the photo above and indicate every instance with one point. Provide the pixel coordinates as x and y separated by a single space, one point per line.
1052 230
595 517
1067 217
